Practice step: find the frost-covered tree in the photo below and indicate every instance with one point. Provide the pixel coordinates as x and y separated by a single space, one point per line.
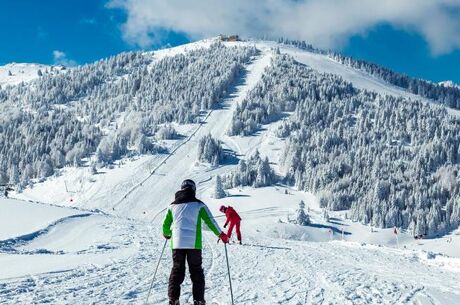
14 175
219 189
166 132
302 218
254 172
210 150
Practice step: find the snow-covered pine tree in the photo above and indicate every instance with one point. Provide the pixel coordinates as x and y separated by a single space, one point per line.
166 132
210 150
219 191
302 218
254 172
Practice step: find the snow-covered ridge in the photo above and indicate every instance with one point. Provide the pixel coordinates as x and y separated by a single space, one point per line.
16 73
449 84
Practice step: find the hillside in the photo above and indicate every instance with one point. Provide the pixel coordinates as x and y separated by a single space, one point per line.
279 124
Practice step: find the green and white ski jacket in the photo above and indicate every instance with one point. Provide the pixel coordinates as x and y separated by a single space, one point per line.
183 223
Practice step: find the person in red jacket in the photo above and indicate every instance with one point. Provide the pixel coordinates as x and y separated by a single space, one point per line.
233 219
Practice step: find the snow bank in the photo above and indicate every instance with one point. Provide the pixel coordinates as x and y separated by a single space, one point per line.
19 218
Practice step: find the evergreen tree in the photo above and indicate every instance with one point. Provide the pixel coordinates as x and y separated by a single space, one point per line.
219 189
210 150
302 218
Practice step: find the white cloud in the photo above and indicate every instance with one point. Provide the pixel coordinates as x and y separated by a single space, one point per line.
60 58
324 23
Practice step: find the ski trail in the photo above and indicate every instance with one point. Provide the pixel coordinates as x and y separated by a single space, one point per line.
156 191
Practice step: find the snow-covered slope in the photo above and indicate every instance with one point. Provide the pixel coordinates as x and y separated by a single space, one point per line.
21 218
110 261
37 238
70 256
15 73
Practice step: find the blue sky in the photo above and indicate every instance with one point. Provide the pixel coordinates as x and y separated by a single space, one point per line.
71 31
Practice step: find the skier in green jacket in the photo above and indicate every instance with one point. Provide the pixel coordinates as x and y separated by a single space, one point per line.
182 224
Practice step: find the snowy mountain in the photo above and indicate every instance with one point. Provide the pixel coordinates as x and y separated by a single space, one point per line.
258 125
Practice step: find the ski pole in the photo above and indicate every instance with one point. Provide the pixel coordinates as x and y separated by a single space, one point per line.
155 273
228 269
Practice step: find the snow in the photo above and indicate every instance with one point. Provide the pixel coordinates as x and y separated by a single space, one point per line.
161 53
273 267
39 238
21 72
21 218
72 256
449 83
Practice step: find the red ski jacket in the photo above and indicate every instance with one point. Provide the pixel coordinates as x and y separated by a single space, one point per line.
232 216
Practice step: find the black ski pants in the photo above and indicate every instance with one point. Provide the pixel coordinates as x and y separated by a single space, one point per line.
194 260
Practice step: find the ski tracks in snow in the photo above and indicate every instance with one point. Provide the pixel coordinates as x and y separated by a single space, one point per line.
283 272
332 273
124 281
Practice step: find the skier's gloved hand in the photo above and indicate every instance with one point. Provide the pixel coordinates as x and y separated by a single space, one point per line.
225 225
167 237
223 237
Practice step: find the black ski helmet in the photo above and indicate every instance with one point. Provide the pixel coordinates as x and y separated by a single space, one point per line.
188 184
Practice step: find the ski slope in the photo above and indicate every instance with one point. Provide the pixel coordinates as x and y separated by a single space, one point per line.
277 265
57 255
128 194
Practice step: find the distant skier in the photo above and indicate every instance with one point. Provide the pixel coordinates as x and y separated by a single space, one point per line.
182 223
233 219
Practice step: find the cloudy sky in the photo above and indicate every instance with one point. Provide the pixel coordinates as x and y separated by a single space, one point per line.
418 37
